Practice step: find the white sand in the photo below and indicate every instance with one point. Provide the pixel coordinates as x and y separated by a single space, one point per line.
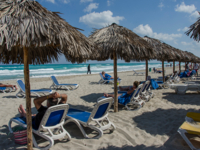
152 127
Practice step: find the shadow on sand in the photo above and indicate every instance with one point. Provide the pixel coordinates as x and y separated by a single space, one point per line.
161 121
188 98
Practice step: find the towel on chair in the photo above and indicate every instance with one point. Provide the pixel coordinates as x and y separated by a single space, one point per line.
125 98
154 84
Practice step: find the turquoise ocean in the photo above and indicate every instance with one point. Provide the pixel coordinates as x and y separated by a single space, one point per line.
8 72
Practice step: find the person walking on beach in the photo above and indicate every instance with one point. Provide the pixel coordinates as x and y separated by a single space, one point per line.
88 69
196 67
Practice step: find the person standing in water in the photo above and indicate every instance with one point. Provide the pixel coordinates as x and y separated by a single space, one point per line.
88 69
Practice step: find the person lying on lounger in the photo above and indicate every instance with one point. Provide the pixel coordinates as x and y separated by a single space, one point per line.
52 99
107 76
156 70
4 85
188 74
129 91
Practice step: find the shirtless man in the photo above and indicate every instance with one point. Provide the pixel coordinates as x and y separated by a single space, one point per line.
52 99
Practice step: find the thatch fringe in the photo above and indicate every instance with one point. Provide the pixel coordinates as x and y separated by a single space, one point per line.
127 45
25 23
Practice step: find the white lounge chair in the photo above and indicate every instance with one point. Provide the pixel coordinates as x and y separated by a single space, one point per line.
53 119
103 81
96 120
7 89
135 99
36 91
182 88
146 93
56 85
138 73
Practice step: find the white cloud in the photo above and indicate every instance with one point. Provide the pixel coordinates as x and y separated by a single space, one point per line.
147 30
100 19
65 1
84 1
185 8
191 9
161 5
186 43
108 2
193 46
52 1
184 29
195 14
91 7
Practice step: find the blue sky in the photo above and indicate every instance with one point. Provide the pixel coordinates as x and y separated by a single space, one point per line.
166 20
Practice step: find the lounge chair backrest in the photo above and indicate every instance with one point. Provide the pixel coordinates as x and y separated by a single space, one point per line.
101 108
54 115
148 83
137 91
21 85
55 81
148 86
101 76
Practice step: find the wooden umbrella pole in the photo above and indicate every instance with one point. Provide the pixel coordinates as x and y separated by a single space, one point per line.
115 82
173 66
179 66
28 100
146 69
185 66
163 71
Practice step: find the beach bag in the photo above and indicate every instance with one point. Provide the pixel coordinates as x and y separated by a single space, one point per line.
20 135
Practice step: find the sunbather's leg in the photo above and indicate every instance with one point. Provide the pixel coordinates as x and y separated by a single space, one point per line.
113 77
22 111
111 95
4 85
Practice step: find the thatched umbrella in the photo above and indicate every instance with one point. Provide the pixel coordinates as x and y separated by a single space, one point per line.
31 34
163 50
116 42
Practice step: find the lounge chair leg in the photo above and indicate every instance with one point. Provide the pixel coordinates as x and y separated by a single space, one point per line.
182 133
66 88
79 125
52 86
98 130
114 127
49 139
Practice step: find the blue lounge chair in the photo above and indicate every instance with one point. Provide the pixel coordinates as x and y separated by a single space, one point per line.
6 89
103 81
22 90
96 120
52 119
183 75
135 100
56 85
